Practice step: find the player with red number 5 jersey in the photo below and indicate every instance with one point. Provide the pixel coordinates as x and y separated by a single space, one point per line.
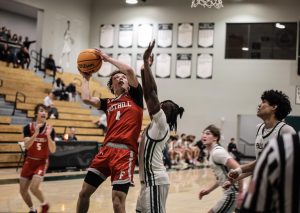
39 141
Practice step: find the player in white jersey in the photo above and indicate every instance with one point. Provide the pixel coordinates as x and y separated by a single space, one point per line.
153 175
274 107
220 161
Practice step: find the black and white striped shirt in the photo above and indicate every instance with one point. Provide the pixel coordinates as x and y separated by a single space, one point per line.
275 186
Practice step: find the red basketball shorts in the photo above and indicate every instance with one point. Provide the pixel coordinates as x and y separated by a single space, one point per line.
34 167
116 162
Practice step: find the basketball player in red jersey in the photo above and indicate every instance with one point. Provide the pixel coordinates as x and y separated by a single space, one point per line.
117 156
38 140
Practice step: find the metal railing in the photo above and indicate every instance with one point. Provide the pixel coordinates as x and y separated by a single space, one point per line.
245 144
39 66
17 99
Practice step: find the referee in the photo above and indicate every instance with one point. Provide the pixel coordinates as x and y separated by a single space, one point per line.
275 186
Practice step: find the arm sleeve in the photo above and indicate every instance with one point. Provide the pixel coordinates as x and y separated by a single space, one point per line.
26 131
159 126
53 134
103 104
137 95
221 156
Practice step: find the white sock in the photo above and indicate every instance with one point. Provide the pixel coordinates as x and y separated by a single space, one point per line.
32 208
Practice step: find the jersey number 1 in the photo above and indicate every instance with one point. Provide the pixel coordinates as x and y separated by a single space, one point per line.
118 115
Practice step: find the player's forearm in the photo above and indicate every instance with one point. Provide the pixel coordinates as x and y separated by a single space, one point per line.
149 84
120 65
150 90
28 141
248 167
51 144
125 69
241 186
87 99
85 90
213 187
242 176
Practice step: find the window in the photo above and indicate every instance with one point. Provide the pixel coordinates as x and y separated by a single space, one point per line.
261 40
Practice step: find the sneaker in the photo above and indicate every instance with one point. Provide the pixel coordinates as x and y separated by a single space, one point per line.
35 211
45 208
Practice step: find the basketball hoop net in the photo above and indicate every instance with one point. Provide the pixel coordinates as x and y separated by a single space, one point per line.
207 3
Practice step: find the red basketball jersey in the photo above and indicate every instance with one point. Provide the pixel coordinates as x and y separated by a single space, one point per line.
124 121
39 148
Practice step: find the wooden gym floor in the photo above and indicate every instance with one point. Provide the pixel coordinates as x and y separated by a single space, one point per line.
62 194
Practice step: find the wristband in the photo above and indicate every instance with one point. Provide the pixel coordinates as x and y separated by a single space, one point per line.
238 170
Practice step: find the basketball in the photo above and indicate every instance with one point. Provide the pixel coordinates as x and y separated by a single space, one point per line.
89 61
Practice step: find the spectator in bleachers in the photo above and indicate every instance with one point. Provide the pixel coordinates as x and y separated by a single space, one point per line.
186 150
71 136
166 154
7 56
3 33
194 150
14 38
23 58
233 151
27 43
71 91
202 154
49 64
182 139
52 110
171 150
7 36
59 89
20 40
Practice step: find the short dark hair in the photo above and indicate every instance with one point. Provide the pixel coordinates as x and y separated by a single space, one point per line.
275 97
36 109
215 131
175 110
109 83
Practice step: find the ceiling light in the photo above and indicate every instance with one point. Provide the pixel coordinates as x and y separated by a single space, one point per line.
280 26
131 1
245 48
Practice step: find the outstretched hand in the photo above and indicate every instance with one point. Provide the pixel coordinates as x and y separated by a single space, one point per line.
148 55
102 54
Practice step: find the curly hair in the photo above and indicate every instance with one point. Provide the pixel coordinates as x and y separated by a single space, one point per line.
275 97
215 131
175 110
109 83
